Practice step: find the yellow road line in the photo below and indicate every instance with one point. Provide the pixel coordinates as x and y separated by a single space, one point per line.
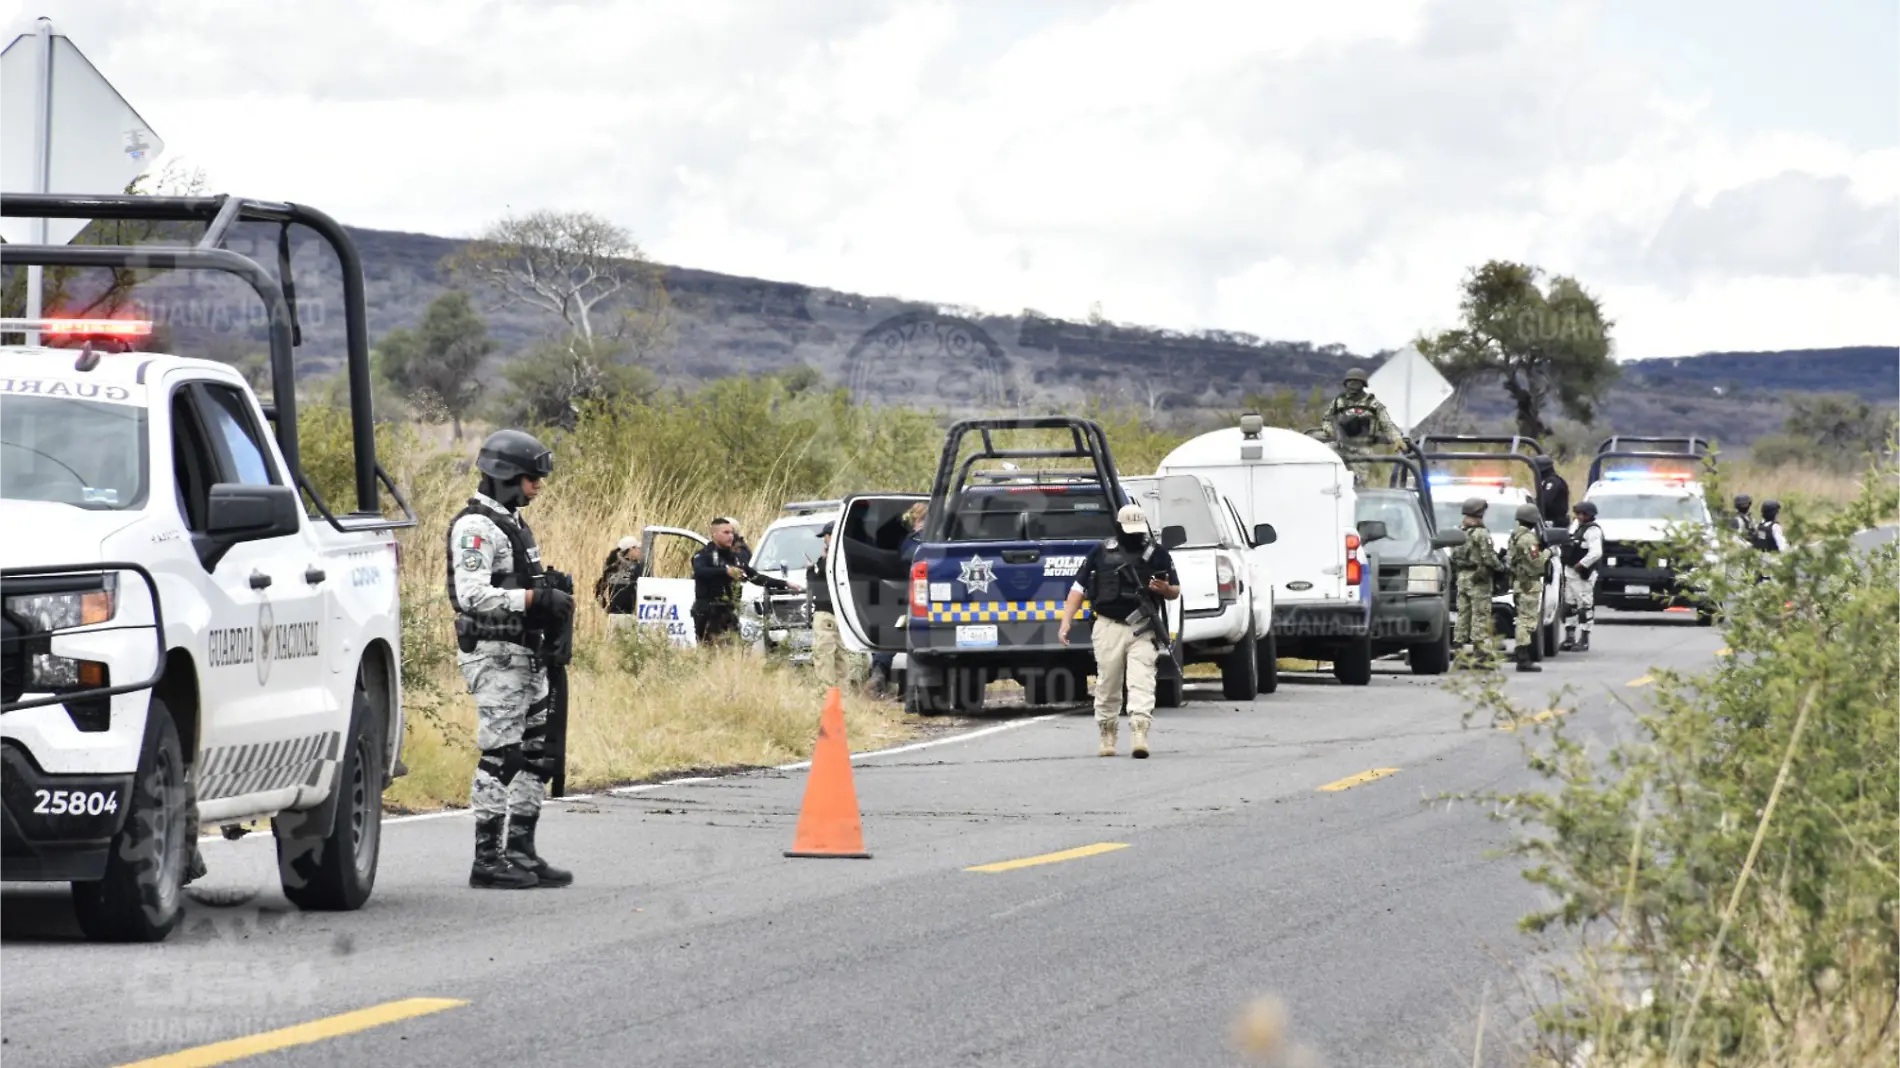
1545 716
1051 858
1644 681
300 1034
1351 781
1723 651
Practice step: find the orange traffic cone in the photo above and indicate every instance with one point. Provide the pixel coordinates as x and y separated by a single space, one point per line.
829 825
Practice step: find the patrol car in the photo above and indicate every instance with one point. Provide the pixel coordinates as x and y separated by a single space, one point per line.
779 621
184 644
1640 496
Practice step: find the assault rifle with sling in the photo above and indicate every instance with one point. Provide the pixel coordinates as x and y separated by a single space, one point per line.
1153 614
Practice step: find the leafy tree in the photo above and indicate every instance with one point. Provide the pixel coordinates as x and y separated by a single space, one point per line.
551 384
1843 428
438 360
1540 344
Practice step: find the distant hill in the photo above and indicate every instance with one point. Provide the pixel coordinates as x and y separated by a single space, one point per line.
893 350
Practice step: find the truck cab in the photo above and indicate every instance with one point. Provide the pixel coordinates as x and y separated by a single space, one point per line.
190 635
1644 498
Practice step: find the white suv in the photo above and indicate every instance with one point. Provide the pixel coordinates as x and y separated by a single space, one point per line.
183 644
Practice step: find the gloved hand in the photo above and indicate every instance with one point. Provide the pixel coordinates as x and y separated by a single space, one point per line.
556 603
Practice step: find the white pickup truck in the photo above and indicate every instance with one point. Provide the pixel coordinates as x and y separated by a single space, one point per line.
1226 590
183 644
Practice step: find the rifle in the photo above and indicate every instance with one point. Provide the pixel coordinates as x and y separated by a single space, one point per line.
557 649
1151 606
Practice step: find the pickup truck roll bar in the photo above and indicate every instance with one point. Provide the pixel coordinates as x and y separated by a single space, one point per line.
1513 440
1087 442
1596 464
220 214
1403 466
1615 443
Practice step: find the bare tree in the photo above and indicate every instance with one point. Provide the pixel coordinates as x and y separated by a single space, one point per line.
568 264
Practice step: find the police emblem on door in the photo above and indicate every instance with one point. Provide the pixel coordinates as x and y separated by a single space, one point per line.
266 622
977 574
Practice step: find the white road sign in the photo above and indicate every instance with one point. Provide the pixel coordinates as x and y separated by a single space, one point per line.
1410 387
98 143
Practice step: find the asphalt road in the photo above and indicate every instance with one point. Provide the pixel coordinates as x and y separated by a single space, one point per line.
1378 917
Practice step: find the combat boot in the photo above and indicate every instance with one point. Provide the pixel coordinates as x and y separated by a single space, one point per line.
1570 639
1110 728
492 870
1583 642
522 855
1140 750
1524 661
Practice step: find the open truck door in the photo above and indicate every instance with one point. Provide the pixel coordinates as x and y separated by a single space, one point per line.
867 573
663 594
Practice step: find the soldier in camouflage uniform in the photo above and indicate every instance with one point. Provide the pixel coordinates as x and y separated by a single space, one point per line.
505 609
1356 423
1527 559
1474 563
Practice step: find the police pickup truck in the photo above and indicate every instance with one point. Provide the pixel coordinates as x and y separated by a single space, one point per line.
982 599
184 645
1640 496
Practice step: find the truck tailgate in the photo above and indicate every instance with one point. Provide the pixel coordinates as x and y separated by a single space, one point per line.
1200 583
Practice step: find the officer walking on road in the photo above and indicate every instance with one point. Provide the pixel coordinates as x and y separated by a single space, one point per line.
827 656
1476 564
1581 556
507 606
1527 560
1125 579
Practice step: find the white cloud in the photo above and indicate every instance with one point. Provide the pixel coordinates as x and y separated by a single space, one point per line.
1293 170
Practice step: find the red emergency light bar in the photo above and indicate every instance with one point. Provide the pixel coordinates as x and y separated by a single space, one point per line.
79 327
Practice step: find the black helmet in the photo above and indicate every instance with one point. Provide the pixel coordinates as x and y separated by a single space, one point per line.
1770 509
1543 463
1474 505
1586 509
1528 514
1742 501
1357 374
510 454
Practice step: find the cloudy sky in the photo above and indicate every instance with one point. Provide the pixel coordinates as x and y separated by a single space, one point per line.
1724 173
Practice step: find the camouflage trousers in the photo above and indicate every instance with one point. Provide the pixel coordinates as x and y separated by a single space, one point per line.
827 655
1474 609
1121 655
1580 595
510 687
1530 609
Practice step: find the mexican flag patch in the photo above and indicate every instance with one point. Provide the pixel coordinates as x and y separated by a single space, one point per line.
471 541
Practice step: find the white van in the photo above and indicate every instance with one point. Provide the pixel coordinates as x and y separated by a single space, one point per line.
1294 497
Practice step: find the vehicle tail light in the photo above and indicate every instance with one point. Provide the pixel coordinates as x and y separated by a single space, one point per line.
1224 578
919 589
1353 566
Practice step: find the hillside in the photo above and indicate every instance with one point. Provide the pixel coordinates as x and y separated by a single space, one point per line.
892 350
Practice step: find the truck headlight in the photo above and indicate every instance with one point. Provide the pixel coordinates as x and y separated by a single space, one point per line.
1424 578
68 608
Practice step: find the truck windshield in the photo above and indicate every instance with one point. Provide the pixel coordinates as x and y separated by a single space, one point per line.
790 548
1666 507
88 454
1403 518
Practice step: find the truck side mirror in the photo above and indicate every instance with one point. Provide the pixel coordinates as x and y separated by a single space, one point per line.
1447 541
1263 534
1173 537
1555 536
238 513
1371 530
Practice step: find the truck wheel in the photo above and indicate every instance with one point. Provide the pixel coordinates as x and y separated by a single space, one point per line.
1353 664
1267 657
967 688
1432 658
1240 671
141 896
1550 636
336 872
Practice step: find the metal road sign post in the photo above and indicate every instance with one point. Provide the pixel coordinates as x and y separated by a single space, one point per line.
1410 387
80 137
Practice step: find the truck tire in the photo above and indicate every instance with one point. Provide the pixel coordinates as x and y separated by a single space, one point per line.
336 872
1353 664
1432 658
1240 671
1551 638
1267 657
1169 692
140 898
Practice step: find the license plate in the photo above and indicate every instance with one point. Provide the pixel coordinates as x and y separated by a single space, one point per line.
1635 589
977 637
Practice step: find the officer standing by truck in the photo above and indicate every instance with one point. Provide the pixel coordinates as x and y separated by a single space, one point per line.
827 655
1581 555
1527 560
1553 493
507 607
718 569
1125 579
1476 564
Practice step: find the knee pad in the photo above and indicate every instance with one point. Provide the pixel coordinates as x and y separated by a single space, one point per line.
504 762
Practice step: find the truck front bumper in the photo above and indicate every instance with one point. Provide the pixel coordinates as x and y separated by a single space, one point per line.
56 828
1409 618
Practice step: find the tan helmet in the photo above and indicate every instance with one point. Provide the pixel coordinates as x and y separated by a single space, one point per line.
1474 506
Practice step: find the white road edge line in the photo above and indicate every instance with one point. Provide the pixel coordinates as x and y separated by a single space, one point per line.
622 791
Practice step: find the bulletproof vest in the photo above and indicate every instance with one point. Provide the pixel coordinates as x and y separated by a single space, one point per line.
1575 549
1353 417
1763 536
524 575
1118 586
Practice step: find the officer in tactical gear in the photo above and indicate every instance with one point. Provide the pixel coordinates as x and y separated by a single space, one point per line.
1553 493
1527 557
1475 565
509 610
1125 579
1356 422
1741 522
1768 536
1581 555
719 570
